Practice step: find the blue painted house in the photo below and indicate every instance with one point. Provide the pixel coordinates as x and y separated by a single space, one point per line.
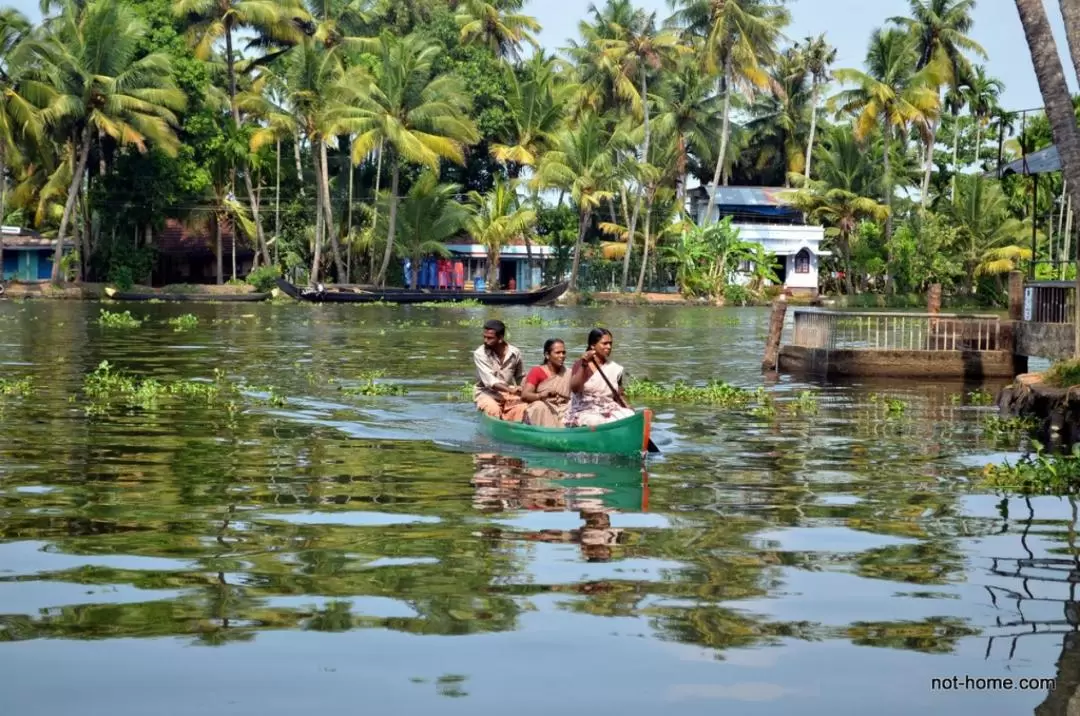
28 256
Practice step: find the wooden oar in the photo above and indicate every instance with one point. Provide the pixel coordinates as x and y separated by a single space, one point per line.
652 445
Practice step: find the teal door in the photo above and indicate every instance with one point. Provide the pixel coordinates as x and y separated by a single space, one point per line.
27 266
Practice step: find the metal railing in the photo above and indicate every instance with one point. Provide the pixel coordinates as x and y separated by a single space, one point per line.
1050 301
874 330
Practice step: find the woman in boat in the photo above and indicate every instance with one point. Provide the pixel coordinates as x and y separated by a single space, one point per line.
546 389
592 380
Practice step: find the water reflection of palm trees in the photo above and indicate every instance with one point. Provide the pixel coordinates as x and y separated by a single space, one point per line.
510 484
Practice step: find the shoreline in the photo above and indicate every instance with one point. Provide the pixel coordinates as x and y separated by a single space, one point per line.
96 291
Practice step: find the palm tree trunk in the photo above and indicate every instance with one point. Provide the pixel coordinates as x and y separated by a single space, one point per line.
978 141
645 250
395 177
219 251
1052 84
323 172
375 211
641 193
494 256
277 203
725 129
3 204
887 144
316 261
955 154
813 126
928 166
69 205
299 166
348 217
1070 11
1056 98
583 225
230 65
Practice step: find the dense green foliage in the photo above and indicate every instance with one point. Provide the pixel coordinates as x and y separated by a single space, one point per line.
305 129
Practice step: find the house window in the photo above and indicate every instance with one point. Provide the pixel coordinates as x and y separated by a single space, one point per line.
802 261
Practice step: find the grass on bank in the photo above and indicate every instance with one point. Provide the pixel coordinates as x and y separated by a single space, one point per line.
1063 374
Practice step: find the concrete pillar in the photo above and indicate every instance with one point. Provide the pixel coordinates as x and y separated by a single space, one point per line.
1016 295
776 328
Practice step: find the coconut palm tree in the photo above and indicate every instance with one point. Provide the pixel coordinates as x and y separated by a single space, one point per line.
984 222
497 219
420 116
689 109
817 56
639 51
496 25
88 59
276 23
1054 90
582 163
20 121
981 95
890 96
739 40
780 120
940 30
315 81
428 215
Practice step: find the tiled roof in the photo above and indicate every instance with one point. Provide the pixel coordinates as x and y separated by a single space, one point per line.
176 239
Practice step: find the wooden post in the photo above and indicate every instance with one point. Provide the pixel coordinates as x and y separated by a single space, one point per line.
776 328
1016 295
933 299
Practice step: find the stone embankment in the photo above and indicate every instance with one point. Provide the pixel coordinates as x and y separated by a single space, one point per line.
1056 410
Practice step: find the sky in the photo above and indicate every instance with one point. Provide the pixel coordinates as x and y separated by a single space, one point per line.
847 25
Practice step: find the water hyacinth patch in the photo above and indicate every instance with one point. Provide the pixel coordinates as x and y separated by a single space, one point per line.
111 319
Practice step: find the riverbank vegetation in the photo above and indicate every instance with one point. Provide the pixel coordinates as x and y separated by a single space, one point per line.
336 137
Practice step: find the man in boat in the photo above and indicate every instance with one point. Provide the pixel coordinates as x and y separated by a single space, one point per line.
499 371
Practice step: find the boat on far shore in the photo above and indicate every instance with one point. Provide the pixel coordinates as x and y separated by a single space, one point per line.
186 297
322 294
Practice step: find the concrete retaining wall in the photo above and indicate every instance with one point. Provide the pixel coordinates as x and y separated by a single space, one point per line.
901 364
1044 340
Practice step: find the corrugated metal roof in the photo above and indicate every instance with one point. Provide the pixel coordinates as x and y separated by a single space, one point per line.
748 195
1043 161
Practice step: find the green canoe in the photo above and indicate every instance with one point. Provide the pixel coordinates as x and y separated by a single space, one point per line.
629 436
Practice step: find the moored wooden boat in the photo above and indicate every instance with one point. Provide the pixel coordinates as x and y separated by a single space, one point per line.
194 297
629 436
402 295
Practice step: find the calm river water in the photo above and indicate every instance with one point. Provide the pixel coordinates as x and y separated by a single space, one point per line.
301 549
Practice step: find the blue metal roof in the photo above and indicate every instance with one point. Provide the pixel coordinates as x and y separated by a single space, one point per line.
748 195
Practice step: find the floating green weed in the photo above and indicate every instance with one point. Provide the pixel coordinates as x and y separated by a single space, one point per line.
806 403
1041 473
185 322
463 393
766 404
893 406
111 319
368 386
715 392
974 397
20 388
467 303
104 386
1008 428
